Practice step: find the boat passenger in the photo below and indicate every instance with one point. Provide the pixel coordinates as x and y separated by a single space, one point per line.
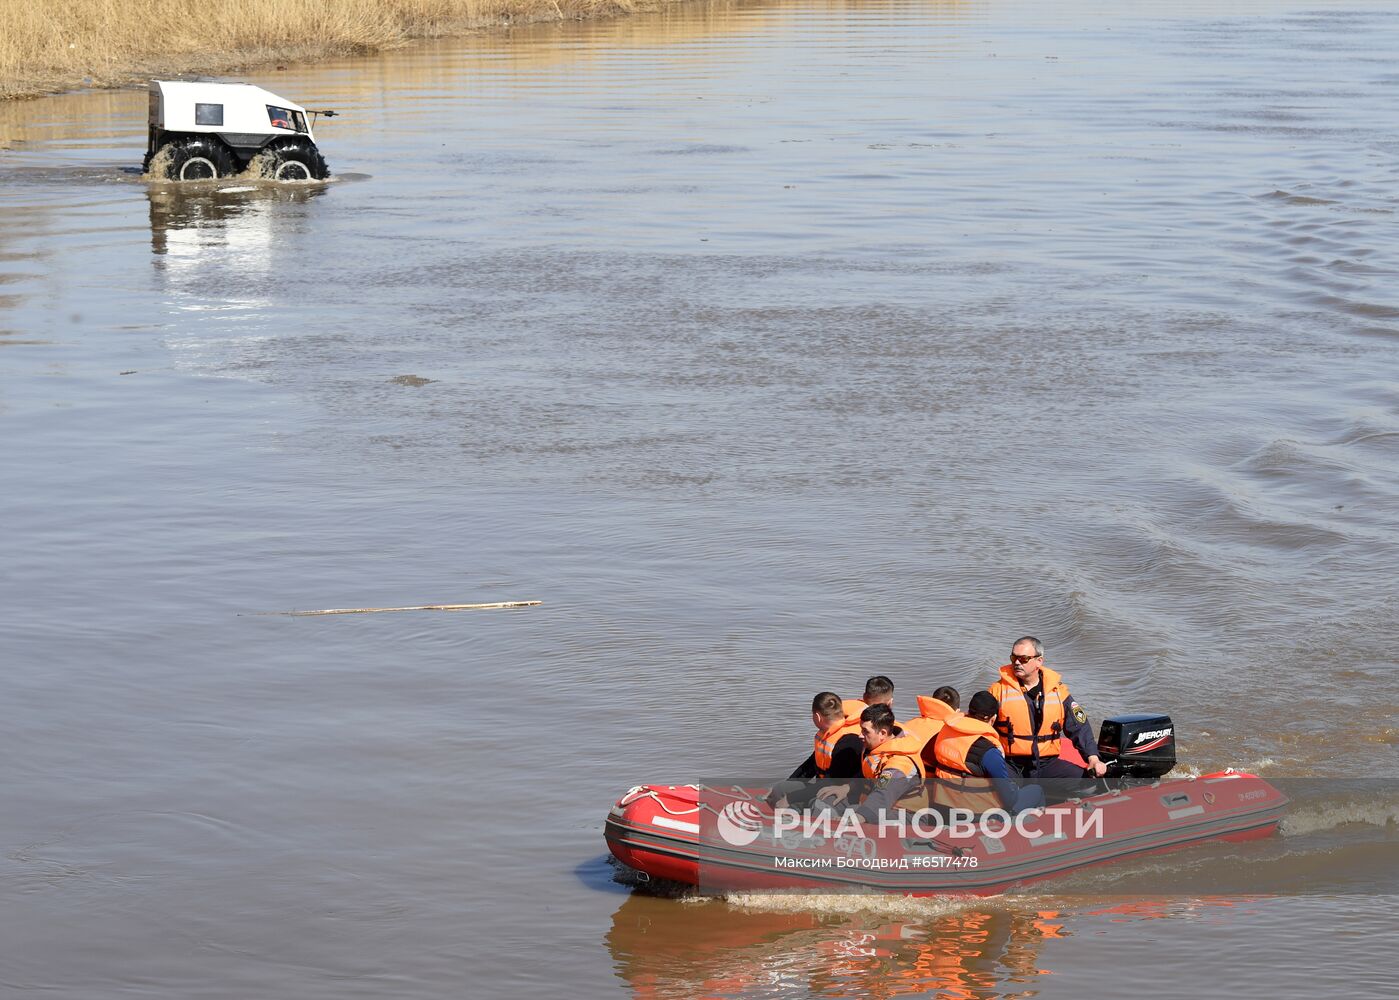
879 690
1036 709
837 749
807 781
893 765
933 711
943 702
971 772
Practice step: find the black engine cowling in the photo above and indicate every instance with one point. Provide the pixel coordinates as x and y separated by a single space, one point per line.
1141 747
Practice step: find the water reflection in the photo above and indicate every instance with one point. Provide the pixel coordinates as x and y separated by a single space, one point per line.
89 119
223 254
189 219
664 948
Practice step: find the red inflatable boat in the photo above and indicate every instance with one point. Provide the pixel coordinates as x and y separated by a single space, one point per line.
726 839
688 834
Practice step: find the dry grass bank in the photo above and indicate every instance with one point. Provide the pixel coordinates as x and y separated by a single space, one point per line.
47 47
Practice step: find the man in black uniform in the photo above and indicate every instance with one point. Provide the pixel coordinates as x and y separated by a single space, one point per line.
1036 709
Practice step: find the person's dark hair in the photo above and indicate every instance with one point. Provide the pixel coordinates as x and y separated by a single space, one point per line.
949 696
1039 646
879 716
828 704
983 706
878 686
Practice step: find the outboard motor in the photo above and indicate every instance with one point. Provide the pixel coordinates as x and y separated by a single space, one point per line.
1137 748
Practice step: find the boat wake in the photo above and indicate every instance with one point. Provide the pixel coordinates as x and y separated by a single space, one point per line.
1382 811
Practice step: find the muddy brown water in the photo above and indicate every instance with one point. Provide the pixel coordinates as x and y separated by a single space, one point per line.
771 345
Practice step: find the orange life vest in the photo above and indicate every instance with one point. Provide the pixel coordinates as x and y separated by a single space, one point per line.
932 714
903 753
922 729
1018 739
934 708
827 739
954 784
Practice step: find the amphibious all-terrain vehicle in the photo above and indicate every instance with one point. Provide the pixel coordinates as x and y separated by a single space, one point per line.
200 131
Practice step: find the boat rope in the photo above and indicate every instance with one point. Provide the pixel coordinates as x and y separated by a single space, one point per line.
647 792
642 792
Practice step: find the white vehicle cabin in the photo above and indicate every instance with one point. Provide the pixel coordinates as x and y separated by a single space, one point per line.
200 131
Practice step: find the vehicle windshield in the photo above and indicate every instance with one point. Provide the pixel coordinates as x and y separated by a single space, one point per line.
286 118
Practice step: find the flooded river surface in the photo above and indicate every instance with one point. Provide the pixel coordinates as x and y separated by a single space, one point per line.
770 345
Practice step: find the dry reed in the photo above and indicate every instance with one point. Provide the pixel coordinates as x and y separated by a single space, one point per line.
46 47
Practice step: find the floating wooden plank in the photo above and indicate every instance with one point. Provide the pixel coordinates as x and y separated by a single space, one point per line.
417 607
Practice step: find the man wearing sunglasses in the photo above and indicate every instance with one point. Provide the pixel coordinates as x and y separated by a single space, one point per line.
1036 709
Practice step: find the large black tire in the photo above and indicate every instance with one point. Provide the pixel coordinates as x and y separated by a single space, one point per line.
293 161
197 160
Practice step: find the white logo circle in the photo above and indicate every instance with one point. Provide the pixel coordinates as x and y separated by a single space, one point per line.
740 823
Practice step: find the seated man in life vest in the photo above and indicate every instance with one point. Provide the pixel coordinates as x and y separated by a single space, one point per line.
836 753
971 772
941 704
892 765
1036 709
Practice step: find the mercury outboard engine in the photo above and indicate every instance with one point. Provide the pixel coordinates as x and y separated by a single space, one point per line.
1137 748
